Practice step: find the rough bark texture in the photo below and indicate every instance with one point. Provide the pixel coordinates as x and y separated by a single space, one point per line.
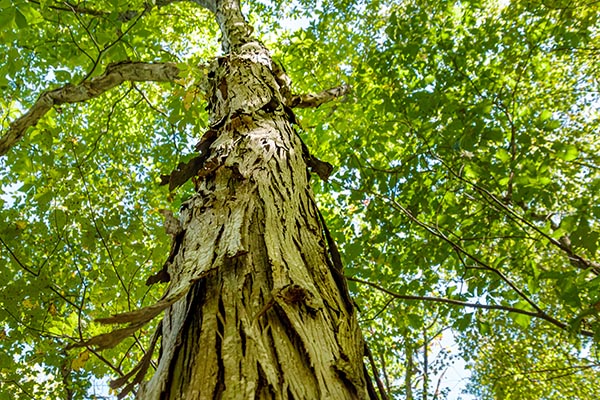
265 314
265 317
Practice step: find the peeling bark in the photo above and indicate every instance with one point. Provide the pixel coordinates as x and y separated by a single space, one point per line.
264 315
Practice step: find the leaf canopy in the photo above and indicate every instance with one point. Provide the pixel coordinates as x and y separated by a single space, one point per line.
467 170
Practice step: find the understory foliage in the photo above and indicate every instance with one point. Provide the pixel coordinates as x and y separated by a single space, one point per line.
465 199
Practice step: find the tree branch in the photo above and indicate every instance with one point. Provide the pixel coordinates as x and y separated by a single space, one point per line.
459 249
537 314
315 100
382 393
123 16
114 75
579 261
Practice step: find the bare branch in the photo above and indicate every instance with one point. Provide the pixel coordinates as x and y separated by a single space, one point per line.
114 75
315 100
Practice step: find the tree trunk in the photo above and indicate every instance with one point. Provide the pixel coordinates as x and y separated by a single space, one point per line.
268 314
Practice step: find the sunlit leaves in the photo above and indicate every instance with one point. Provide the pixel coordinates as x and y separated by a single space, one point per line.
467 168
478 119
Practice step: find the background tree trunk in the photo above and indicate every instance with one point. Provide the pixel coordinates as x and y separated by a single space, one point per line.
268 314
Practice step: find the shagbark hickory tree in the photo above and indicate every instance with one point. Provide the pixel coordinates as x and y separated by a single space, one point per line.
257 304
464 202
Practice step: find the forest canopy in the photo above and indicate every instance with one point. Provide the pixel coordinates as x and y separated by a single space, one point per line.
464 198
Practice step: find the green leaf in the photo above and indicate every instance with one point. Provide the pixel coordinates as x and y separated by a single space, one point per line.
566 152
415 320
552 125
464 322
494 135
62 75
20 19
545 115
524 321
584 237
503 155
